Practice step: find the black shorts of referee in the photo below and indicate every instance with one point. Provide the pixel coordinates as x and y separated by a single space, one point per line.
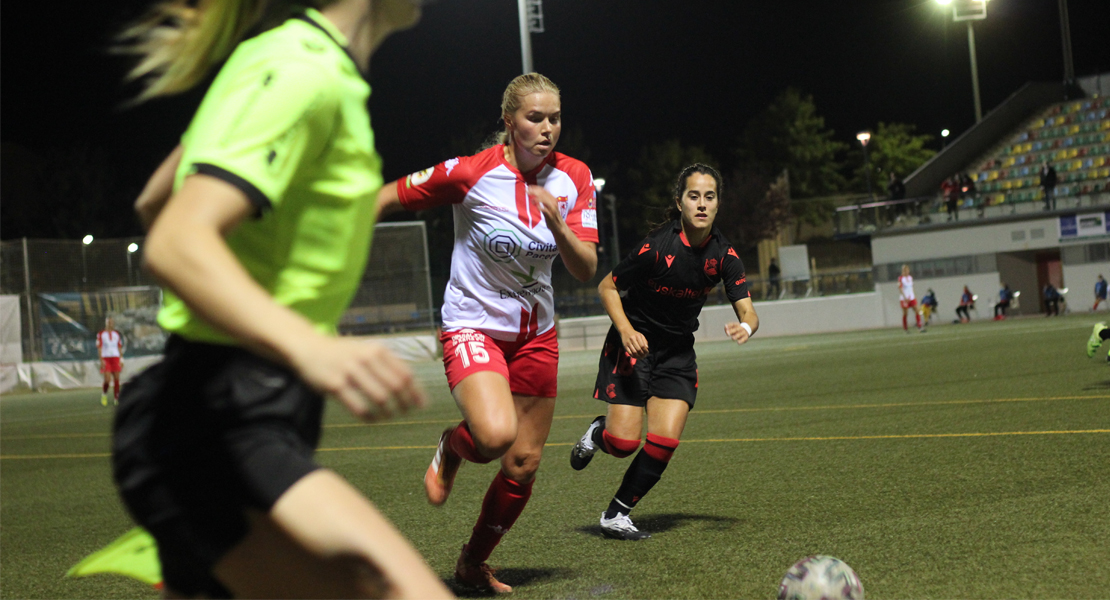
670 370
200 438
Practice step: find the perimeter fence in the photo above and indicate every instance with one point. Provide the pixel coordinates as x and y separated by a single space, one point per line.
66 288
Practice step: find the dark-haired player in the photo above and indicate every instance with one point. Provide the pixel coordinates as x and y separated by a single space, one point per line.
648 363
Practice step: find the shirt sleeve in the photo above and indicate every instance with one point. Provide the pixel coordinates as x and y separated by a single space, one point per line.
446 183
636 265
582 218
734 276
274 121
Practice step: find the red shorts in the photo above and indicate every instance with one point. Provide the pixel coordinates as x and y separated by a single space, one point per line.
909 303
531 366
110 364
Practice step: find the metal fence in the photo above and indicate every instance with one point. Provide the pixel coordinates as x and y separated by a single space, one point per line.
67 287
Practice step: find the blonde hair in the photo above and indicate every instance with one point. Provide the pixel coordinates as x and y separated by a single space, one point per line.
177 43
520 87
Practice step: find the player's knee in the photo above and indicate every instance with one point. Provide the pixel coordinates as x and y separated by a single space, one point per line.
356 576
495 441
521 467
660 448
619 447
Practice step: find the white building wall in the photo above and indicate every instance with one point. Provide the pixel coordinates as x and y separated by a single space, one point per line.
962 241
949 290
1080 281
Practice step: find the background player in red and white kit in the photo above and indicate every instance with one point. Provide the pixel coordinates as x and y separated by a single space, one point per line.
648 363
517 206
907 299
109 348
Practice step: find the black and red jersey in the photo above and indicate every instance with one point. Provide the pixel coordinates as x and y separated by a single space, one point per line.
668 281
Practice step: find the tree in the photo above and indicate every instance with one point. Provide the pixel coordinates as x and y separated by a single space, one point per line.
894 148
651 183
755 205
789 134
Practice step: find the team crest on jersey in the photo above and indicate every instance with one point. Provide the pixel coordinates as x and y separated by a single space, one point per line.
420 177
711 267
564 205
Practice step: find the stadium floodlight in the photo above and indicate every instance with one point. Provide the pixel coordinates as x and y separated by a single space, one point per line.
864 137
88 239
945 133
970 11
132 248
599 184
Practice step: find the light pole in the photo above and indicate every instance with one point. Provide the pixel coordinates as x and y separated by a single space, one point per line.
85 241
530 16
864 137
970 10
131 249
599 184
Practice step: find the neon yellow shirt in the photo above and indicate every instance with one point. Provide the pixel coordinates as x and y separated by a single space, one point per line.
286 122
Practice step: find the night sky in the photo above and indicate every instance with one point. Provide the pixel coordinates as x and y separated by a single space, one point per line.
631 73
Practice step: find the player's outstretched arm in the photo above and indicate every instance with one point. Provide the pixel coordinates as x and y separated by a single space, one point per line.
634 342
579 257
186 251
158 189
745 311
388 200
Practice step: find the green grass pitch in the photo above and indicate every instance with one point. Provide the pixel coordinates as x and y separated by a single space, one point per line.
967 462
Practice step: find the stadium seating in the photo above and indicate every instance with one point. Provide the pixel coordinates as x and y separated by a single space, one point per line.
1074 137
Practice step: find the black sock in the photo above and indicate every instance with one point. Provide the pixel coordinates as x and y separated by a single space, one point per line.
1104 334
642 474
599 436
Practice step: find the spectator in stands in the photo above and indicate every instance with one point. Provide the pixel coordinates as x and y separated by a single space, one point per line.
773 273
1100 292
1051 300
895 187
1048 182
1004 297
967 190
967 302
950 189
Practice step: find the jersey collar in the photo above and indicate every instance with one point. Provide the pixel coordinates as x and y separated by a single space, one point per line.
319 21
500 148
686 242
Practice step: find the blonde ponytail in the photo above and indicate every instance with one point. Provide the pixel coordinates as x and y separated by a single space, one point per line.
178 41
515 92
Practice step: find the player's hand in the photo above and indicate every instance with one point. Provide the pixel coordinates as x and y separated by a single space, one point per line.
736 332
368 379
635 344
549 206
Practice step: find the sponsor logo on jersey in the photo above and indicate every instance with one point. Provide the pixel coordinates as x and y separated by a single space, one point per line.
525 293
502 245
526 279
420 177
741 280
678 292
645 248
711 267
589 219
591 204
670 259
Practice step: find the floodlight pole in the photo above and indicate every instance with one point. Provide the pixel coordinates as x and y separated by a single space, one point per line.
525 35
974 72
1065 34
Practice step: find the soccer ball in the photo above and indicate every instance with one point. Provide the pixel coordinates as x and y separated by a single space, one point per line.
820 578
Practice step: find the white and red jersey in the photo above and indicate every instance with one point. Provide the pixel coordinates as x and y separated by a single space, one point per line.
501 264
905 287
110 343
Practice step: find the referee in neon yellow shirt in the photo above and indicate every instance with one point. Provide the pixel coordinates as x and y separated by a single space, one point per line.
260 226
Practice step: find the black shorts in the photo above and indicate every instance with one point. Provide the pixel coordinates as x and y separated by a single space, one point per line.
201 437
670 370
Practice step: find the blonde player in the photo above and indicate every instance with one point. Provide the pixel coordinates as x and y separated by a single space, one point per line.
109 349
906 298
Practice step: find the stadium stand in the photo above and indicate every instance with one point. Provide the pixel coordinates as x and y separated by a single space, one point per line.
1072 136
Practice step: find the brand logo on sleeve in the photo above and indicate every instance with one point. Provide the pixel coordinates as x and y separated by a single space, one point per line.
450 165
670 259
732 253
645 248
420 177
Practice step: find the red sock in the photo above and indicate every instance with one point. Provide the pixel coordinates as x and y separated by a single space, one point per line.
105 387
904 325
115 387
462 442
917 318
505 500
